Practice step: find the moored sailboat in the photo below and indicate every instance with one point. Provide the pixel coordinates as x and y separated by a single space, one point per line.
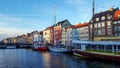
57 47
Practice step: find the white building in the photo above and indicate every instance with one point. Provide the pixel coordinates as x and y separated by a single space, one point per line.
84 33
69 36
80 32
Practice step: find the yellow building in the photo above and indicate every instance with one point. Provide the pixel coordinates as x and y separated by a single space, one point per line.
47 36
110 38
5 41
64 36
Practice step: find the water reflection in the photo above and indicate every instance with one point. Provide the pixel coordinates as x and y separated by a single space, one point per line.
46 59
26 58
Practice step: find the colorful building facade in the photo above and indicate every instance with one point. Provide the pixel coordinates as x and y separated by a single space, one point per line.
64 31
103 25
58 30
46 35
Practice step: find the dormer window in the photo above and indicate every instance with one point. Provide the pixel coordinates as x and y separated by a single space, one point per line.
109 17
103 18
97 19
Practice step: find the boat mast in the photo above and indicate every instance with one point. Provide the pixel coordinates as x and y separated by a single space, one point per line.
93 9
54 25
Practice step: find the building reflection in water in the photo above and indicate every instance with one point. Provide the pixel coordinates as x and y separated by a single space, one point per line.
60 60
46 59
26 58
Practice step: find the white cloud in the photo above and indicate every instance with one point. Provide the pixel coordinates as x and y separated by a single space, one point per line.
9 18
10 31
12 26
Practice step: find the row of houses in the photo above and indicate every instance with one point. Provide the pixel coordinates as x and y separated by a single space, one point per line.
24 39
103 26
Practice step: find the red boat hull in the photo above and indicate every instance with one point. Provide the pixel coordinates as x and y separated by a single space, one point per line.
97 55
42 48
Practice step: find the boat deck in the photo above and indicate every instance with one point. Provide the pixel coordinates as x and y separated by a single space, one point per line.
103 53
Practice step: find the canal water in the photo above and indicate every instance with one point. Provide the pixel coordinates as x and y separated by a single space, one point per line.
27 58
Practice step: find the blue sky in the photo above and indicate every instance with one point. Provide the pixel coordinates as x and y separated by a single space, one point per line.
24 16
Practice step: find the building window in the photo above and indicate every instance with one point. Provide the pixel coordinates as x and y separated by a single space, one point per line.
115 28
99 25
119 22
99 32
96 25
103 18
109 31
108 24
119 16
118 28
109 17
103 31
117 34
115 22
103 24
97 19
90 26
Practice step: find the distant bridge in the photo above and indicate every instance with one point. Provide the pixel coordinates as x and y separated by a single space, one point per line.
16 44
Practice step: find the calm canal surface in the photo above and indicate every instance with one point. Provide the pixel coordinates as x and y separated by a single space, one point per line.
27 58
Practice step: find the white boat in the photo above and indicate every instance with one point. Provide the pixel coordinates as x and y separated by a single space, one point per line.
59 49
11 47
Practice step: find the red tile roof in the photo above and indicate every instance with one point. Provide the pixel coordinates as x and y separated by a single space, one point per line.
116 14
81 25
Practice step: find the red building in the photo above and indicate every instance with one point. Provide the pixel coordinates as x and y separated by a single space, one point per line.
57 29
57 34
51 34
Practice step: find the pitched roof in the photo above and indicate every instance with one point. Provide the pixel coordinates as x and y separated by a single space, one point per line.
70 27
105 13
81 25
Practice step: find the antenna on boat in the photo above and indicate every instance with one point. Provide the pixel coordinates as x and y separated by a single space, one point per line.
93 11
54 23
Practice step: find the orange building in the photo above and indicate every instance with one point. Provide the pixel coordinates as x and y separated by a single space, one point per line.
116 23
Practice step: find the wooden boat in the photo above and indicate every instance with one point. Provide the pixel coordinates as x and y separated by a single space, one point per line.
96 55
110 50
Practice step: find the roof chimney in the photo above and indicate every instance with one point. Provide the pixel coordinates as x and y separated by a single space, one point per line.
111 9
